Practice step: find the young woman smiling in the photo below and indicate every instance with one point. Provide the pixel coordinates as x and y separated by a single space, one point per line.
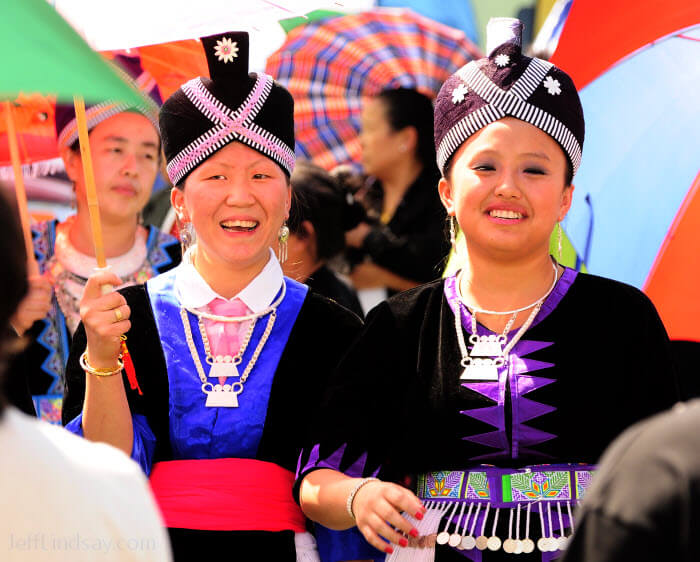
514 361
230 358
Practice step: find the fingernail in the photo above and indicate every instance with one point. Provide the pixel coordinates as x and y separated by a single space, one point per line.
419 515
414 533
403 542
389 550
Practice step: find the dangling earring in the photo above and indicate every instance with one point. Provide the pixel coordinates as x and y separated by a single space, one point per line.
453 233
283 237
559 244
186 233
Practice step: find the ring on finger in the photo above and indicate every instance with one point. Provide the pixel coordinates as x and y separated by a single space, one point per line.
118 314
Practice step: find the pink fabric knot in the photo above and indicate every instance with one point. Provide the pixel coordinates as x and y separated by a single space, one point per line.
226 338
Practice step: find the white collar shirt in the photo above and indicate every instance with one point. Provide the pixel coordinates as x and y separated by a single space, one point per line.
194 292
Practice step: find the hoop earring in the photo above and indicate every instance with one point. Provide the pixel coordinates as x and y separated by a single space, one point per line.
559 241
283 238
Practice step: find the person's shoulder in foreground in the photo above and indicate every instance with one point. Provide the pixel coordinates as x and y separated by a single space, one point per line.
65 498
644 503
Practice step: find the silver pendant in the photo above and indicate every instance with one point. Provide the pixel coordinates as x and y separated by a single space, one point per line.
455 539
468 542
481 542
443 537
223 367
222 397
509 546
487 346
518 547
494 543
528 546
483 369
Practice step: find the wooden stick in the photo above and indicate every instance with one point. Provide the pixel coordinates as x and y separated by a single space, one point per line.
21 193
90 190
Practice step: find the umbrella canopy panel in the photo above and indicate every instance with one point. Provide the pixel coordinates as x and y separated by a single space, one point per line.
640 158
330 66
42 53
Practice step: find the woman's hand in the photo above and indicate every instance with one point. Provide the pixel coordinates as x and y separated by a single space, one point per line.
106 318
34 306
356 237
377 507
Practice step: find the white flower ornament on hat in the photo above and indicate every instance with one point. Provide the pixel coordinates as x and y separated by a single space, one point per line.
226 50
502 60
553 86
458 93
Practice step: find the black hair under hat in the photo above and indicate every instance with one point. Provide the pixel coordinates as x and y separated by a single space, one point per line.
508 84
204 114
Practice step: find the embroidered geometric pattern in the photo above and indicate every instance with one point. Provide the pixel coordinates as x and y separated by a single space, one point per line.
334 461
444 484
532 486
583 481
508 102
229 125
451 485
478 486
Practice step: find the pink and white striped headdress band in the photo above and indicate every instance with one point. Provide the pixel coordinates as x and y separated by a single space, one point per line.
229 125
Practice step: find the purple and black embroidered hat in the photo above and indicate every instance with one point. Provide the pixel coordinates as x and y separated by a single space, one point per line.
508 84
132 72
205 115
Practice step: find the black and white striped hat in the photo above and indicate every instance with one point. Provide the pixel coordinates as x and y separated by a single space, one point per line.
508 84
206 114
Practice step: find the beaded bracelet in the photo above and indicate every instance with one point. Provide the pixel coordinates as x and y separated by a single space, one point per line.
99 372
353 492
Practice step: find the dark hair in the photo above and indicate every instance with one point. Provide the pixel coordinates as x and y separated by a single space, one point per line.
13 283
320 199
405 107
568 176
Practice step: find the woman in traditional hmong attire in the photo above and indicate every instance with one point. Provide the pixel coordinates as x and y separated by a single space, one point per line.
515 361
229 357
125 144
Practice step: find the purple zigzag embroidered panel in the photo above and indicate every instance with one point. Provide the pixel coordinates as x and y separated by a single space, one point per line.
333 461
521 382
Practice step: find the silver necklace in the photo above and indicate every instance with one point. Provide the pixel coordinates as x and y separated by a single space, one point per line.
226 395
224 365
504 312
487 353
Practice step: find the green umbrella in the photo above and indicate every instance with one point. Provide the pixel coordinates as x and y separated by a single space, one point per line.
42 53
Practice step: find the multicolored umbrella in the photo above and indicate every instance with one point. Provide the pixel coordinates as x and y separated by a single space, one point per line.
636 211
331 65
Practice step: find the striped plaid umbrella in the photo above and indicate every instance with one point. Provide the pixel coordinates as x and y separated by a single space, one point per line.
331 65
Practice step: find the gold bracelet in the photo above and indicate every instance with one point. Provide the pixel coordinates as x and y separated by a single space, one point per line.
99 372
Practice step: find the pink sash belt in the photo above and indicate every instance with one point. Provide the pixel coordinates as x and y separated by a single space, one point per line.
226 495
